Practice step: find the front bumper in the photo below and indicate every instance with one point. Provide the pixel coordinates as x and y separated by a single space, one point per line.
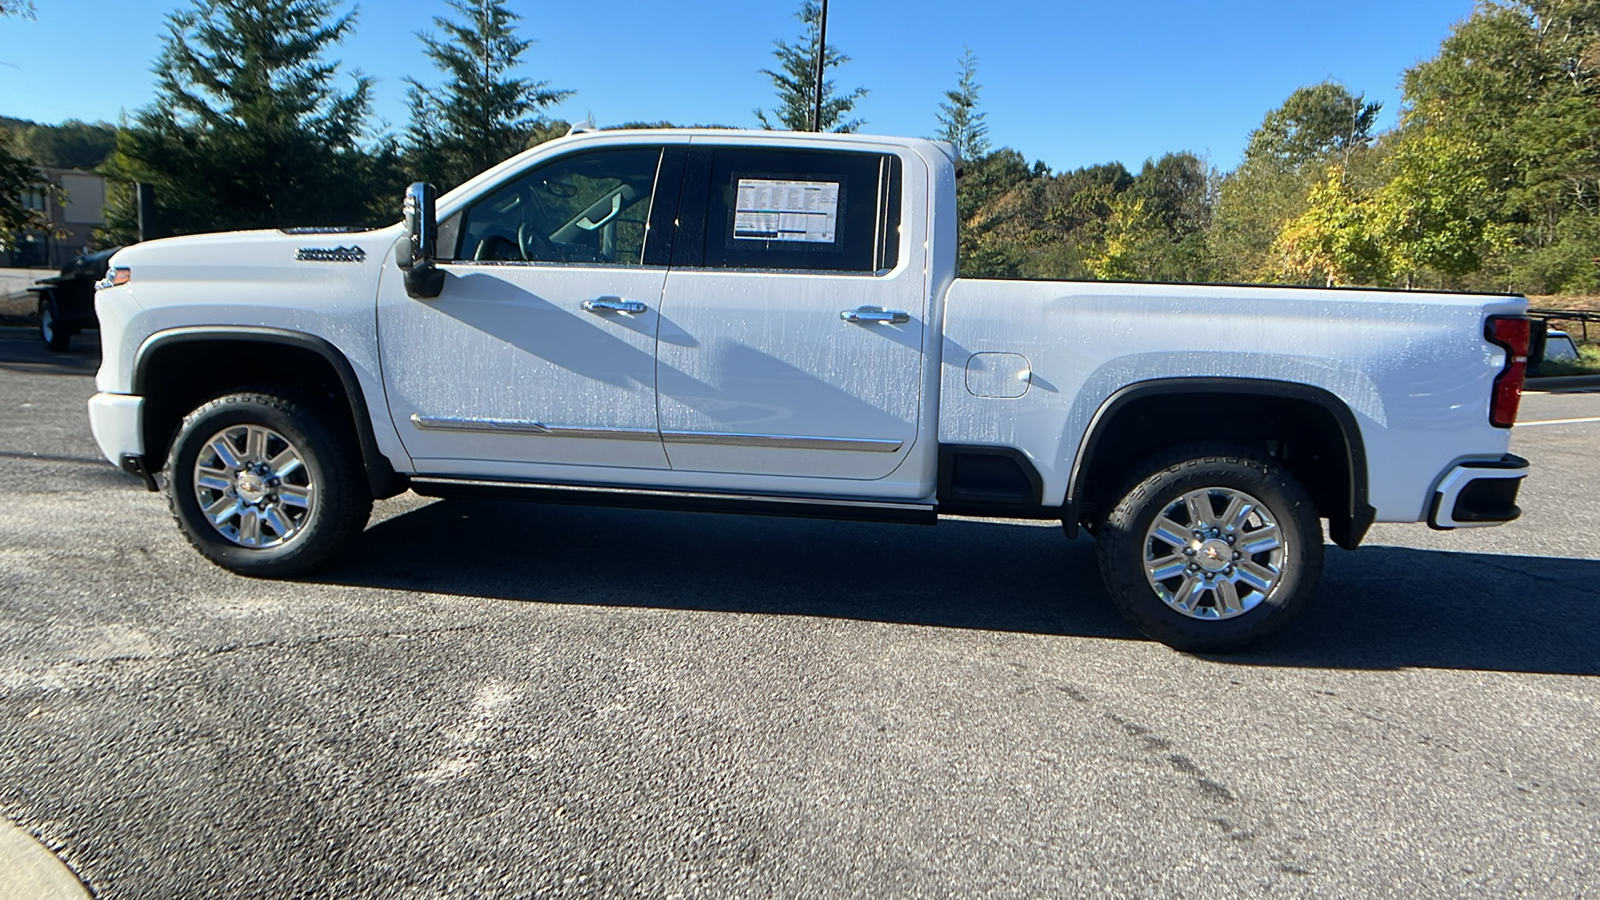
117 421
1478 493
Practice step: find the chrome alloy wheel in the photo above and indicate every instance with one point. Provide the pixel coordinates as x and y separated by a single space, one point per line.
253 486
1214 553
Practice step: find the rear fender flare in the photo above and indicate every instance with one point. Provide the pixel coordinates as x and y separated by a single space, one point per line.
1347 525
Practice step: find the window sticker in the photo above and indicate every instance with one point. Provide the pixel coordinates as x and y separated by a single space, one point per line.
803 211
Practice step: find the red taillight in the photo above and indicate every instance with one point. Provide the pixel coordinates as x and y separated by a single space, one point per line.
1510 333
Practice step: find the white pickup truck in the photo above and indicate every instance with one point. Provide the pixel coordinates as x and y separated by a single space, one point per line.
772 323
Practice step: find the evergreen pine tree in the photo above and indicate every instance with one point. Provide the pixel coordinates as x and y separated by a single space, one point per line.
960 123
481 115
248 128
19 177
796 80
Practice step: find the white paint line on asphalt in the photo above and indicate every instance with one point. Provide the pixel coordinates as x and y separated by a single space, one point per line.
1560 421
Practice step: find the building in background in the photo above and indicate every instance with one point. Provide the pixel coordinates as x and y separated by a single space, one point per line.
80 210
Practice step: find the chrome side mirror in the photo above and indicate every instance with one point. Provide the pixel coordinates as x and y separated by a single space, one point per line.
415 255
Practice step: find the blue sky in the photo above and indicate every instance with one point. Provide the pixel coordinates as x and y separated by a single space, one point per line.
1071 83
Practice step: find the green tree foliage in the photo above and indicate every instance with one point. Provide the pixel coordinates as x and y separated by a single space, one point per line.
23 8
1095 222
960 123
1519 84
1177 190
795 81
1156 228
1315 123
1129 232
248 128
1491 180
1252 208
1434 213
71 145
1283 162
482 114
996 212
19 177
1333 241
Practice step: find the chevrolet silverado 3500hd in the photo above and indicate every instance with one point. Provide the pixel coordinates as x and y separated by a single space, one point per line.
769 322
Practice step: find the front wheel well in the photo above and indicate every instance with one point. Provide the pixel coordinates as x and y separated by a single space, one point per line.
177 375
1308 432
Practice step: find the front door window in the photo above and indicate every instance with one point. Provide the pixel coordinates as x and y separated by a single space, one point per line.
592 208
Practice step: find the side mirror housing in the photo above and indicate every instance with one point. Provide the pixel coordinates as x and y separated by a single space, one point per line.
415 255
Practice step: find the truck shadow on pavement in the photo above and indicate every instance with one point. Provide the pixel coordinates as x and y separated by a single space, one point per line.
1379 608
22 352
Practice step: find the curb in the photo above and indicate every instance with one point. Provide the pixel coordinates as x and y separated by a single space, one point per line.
29 871
1562 383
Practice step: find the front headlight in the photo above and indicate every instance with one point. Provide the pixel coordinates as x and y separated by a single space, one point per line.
114 277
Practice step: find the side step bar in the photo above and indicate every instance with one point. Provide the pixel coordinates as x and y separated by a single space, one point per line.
687 501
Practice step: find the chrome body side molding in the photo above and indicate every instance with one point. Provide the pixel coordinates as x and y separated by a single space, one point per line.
781 441
522 426
768 441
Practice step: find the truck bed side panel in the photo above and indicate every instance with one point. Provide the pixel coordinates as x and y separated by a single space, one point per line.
1412 367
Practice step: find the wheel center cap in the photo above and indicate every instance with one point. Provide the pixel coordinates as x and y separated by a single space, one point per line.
1214 555
250 487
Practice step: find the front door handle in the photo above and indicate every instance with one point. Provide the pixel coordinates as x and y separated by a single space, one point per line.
871 314
614 304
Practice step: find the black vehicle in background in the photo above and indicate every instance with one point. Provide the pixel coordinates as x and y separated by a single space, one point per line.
66 301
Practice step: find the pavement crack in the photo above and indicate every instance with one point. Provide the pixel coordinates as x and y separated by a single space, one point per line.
56 458
1155 743
1566 583
274 644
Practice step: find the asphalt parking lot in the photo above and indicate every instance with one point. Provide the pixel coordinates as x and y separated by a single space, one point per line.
496 700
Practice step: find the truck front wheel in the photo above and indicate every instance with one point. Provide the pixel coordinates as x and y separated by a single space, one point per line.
1215 548
266 485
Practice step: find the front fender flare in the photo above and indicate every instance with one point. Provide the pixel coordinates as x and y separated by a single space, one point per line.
382 478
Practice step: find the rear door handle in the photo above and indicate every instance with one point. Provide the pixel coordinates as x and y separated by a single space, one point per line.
871 314
614 304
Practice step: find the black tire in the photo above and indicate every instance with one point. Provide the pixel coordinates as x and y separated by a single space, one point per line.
56 337
331 503
1193 610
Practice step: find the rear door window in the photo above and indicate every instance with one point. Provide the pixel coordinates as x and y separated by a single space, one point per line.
784 209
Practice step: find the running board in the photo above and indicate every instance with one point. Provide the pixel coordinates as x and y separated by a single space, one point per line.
686 501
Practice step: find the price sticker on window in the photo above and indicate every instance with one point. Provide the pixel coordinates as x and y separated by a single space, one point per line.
799 211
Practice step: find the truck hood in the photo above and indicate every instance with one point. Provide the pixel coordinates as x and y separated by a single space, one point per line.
306 267
274 249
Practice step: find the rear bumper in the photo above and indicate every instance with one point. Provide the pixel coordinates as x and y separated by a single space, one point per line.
1478 493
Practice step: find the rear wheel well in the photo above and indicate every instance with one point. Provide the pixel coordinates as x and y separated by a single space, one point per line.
177 376
1309 436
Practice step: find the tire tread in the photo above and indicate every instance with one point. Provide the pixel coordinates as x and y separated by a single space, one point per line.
1131 593
344 499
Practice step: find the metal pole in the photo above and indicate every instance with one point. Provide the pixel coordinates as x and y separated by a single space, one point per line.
822 56
144 198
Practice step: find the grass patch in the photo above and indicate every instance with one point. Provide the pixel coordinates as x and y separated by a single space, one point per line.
1587 363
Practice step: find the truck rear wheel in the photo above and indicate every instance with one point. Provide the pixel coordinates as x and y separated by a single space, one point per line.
56 337
266 485
1213 549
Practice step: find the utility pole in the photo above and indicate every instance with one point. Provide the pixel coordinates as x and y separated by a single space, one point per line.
822 57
